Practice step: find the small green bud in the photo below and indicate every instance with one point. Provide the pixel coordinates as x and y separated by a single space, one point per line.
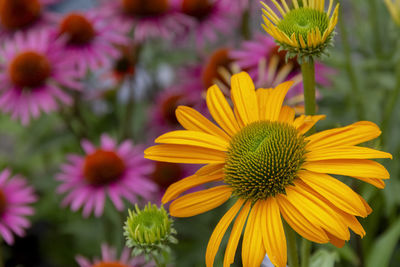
149 231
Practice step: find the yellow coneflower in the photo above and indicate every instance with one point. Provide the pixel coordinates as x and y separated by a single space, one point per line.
304 29
261 158
394 10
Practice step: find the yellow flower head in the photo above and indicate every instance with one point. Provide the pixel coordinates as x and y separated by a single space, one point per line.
262 159
305 30
394 9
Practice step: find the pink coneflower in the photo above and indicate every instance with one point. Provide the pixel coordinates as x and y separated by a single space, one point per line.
149 18
21 14
109 259
32 72
91 38
210 18
268 67
15 197
119 171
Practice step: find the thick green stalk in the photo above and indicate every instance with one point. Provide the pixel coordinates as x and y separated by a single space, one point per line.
308 71
292 248
305 252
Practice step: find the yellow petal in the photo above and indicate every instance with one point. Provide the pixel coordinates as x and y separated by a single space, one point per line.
235 235
193 138
275 99
244 97
353 134
209 169
305 123
300 222
253 251
345 152
191 119
350 167
379 183
336 192
352 222
219 232
200 202
317 211
337 242
184 154
221 111
187 183
273 235
287 114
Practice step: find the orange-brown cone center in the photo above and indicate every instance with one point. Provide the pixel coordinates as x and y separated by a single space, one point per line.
168 107
29 69
218 59
109 264
103 167
166 174
16 14
199 9
79 30
3 202
145 8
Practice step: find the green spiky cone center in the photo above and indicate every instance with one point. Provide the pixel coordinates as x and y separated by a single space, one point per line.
302 21
264 158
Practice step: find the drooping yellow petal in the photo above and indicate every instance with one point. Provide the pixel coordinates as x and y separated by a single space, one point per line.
187 183
300 222
244 97
184 154
253 251
287 114
221 111
200 202
305 123
352 222
235 235
273 235
219 232
379 183
274 99
351 135
317 211
349 167
193 138
334 240
345 152
191 119
336 192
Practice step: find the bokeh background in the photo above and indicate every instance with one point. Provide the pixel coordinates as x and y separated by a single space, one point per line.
360 77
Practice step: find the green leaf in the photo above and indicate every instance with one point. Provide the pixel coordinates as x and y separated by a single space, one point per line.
383 248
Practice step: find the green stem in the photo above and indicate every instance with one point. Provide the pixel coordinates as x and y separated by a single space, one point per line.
292 248
305 252
308 71
350 70
388 113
